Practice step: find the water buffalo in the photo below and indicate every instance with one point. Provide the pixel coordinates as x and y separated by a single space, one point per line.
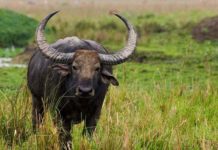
72 76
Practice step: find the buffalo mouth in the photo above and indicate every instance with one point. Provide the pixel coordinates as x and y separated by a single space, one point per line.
85 96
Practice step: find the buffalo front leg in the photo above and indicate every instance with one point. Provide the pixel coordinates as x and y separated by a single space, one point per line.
89 127
37 112
91 121
93 116
65 138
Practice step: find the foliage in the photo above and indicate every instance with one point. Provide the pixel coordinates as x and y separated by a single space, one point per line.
15 29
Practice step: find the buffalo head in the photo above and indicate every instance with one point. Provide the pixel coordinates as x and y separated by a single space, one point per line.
84 73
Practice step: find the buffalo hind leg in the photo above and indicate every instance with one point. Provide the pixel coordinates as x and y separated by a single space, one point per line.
37 112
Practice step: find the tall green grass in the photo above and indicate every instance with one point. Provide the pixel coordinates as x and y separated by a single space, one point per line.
155 107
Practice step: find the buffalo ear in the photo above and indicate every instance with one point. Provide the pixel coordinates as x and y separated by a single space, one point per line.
107 78
62 69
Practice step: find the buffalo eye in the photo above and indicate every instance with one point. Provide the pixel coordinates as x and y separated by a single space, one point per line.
97 69
75 68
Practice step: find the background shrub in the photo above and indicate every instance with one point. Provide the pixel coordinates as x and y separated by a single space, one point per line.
15 29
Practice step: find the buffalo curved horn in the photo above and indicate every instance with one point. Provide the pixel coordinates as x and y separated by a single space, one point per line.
46 49
108 59
123 54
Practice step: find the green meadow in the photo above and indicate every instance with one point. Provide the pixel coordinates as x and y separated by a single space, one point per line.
167 98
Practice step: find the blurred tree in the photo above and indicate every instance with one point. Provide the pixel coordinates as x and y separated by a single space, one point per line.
15 29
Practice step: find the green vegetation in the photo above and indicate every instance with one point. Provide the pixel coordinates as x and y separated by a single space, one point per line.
169 101
15 29
11 79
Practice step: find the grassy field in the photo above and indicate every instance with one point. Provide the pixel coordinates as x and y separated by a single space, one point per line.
167 98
